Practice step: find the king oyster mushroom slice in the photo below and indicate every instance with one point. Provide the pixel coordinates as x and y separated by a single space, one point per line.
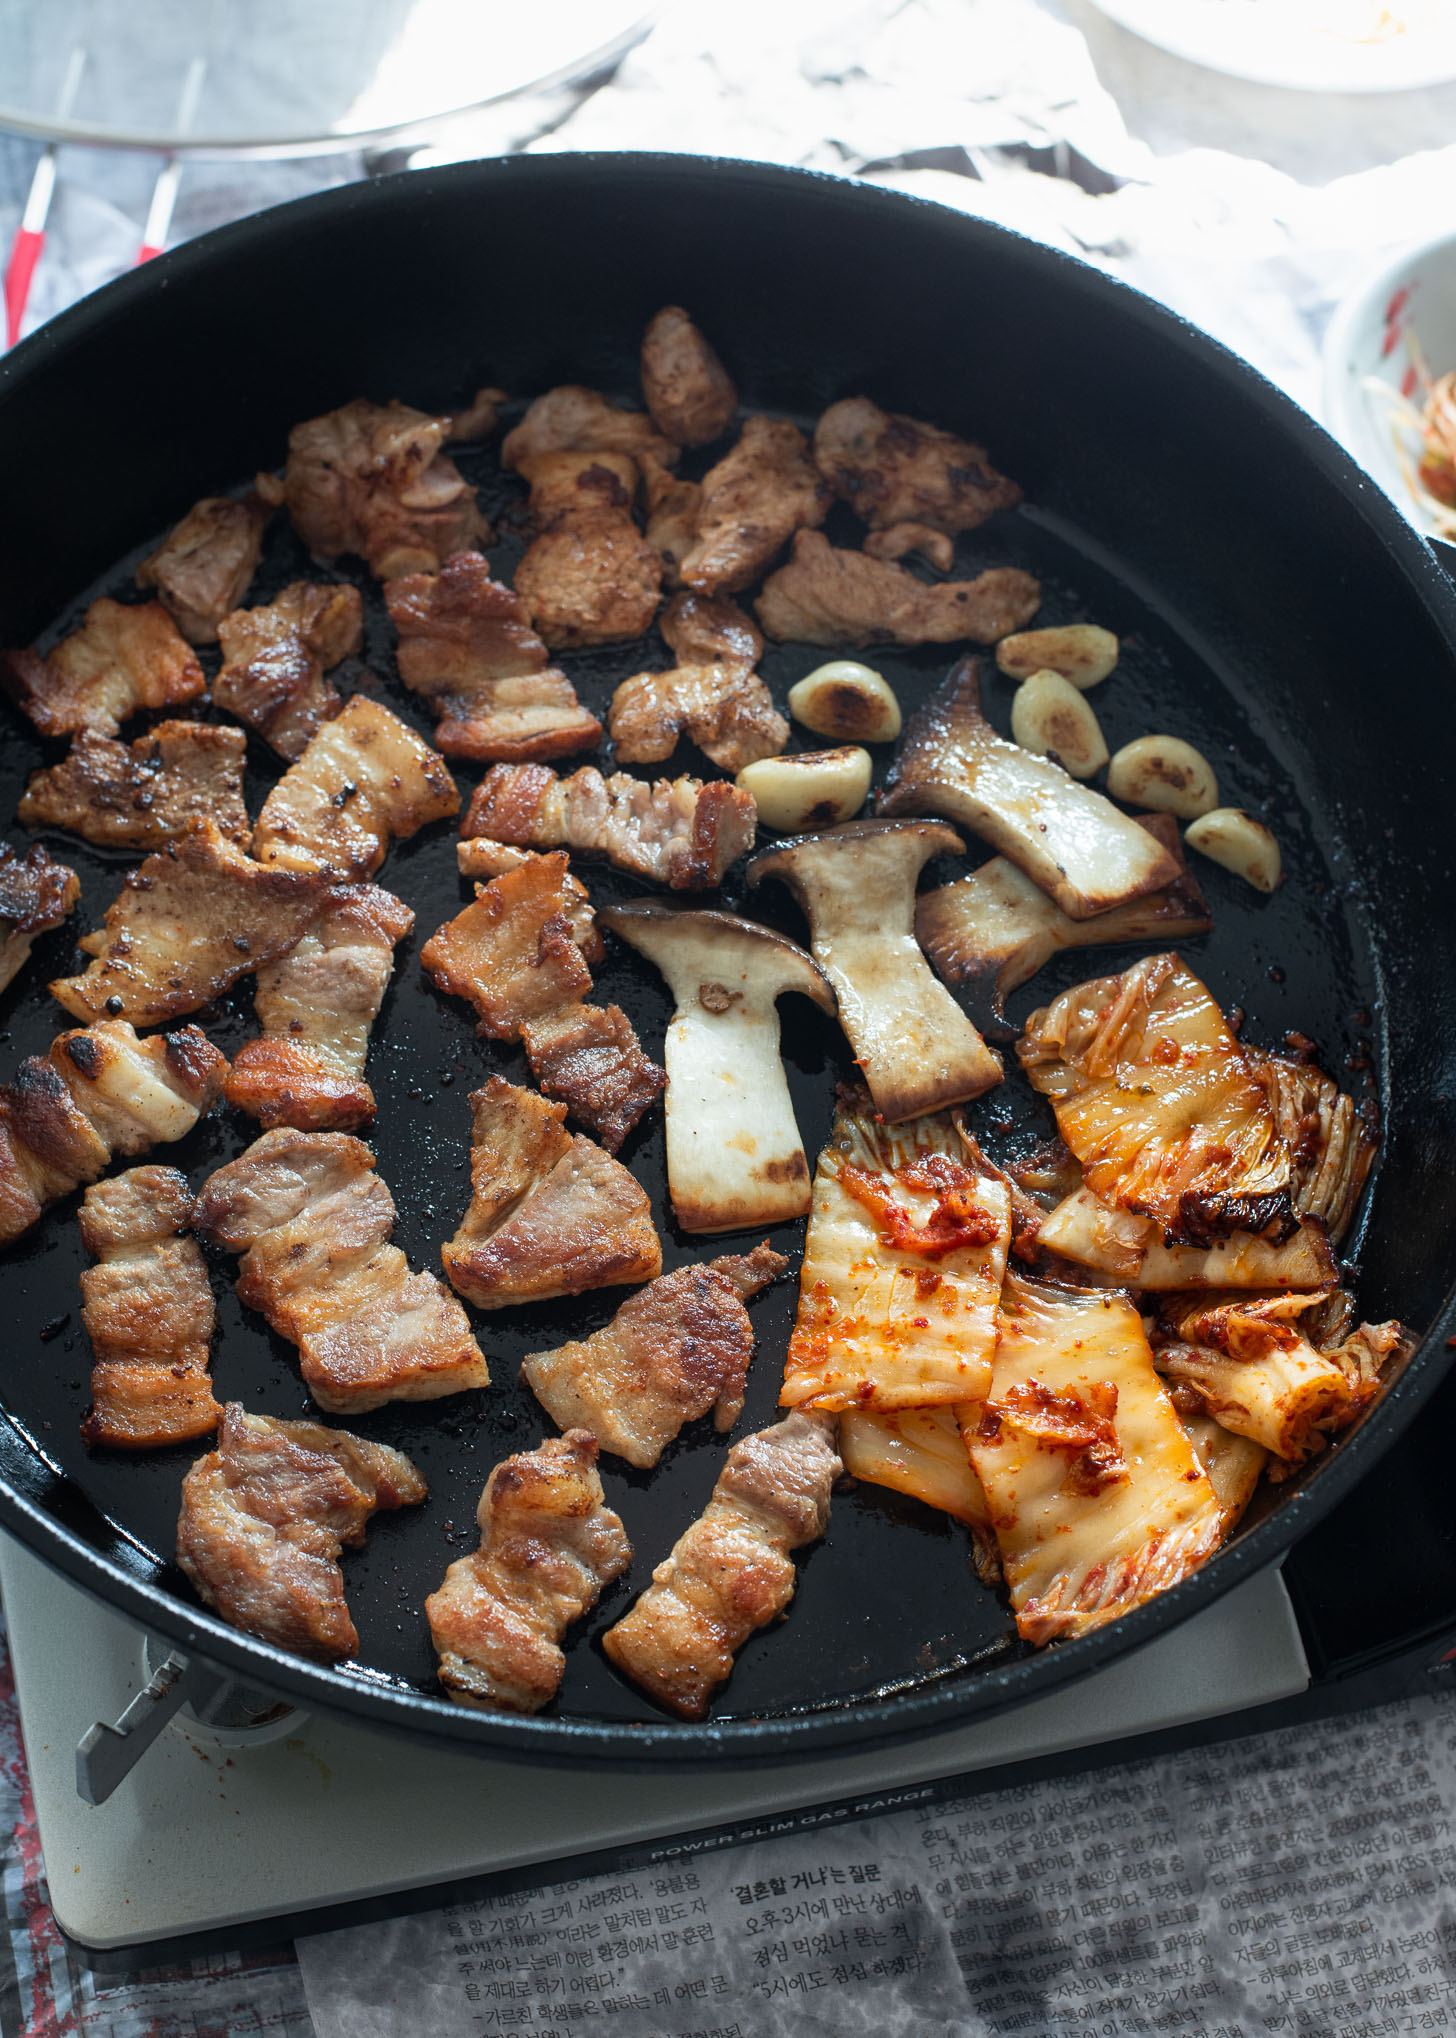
734 1156
1069 840
915 1046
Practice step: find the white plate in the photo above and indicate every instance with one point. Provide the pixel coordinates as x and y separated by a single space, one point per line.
1310 45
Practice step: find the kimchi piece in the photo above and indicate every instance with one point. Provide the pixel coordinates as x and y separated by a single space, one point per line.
919 1451
123 657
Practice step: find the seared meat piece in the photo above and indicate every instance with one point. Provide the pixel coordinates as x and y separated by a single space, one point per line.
202 568
590 1057
674 831
548 1544
316 1005
99 1093
551 1214
186 925
590 577
265 1516
895 470
684 385
148 1311
274 659
713 696
139 795
576 420
36 894
672 516
466 647
478 419
730 1573
121 659
370 478
824 596
933 546
752 503
311 1219
482 859
364 779
671 1353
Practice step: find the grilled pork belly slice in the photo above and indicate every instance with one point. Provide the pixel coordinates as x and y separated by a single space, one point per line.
121 659
266 1515
686 388
365 779
730 1573
478 419
895 470
99 1093
202 568
311 1219
548 1545
552 1214
142 794
590 1057
466 647
903 1264
919 1451
316 1005
674 831
712 696
275 657
1096 1496
589 577
148 1311
36 894
370 478
678 1348
571 419
934 547
845 599
188 923
671 507
751 504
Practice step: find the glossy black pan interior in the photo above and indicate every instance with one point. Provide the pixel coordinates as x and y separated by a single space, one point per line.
1274 608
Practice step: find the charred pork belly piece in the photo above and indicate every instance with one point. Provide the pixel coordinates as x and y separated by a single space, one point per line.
364 779
275 657
466 647
672 831
843 599
686 388
1096 1496
265 1517
934 547
751 504
1072 843
148 1311
671 506
712 696
187 923
478 419
678 1348
99 1093
121 659
312 1219
576 420
201 569
552 1214
590 1057
589 577
730 1574
482 859
992 931
895 470
370 478
36 894
316 1005
139 795
903 1263
548 1545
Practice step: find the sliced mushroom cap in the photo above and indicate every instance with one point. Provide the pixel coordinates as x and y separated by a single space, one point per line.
916 1047
734 1156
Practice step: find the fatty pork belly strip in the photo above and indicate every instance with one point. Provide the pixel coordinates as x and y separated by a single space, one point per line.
894 470
465 647
712 696
202 568
36 894
570 419
99 1094
275 657
148 1311
750 504
364 779
848 599
688 392
123 657
266 1516
589 576
311 1219
678 1348
187 923
548 1545
316 1006
1096 1496
730 1573
672 831
142 794
1075 845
